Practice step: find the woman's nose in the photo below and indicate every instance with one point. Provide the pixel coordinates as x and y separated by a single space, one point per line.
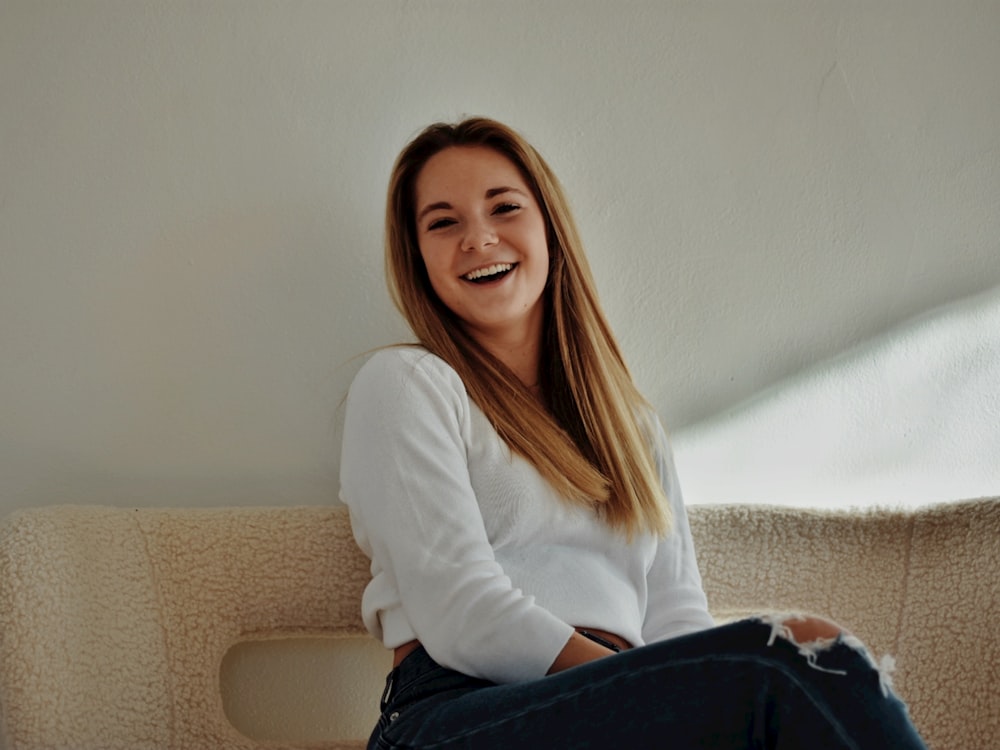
480 235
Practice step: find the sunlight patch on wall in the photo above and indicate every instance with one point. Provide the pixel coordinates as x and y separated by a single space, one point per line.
909 418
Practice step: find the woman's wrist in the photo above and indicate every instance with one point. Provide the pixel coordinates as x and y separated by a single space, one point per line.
578 650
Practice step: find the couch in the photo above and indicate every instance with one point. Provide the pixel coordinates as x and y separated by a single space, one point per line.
239 627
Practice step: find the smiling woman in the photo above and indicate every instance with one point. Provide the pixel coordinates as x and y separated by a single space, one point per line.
483 242
533 568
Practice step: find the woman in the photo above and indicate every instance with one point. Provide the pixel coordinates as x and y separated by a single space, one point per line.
532 563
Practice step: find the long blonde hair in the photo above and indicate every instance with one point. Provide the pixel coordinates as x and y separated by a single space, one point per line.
593 444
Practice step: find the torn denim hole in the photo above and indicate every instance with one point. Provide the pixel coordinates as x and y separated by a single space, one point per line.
813 649
884 667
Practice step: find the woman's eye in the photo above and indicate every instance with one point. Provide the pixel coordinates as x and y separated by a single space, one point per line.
440 223
505 208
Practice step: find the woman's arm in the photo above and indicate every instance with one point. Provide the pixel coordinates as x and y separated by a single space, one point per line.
405 478
676 602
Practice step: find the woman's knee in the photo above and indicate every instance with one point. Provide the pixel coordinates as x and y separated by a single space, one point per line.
811 629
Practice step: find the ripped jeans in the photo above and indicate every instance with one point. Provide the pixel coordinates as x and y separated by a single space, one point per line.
737 686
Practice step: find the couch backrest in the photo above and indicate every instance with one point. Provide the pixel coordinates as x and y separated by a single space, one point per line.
126 628
920 585
114 622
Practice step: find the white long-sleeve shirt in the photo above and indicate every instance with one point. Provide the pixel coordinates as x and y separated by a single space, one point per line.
472 551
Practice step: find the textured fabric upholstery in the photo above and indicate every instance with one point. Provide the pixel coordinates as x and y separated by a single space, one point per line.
114 622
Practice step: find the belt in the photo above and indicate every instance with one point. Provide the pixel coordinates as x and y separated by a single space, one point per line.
608 640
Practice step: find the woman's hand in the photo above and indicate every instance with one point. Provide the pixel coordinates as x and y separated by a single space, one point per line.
578 650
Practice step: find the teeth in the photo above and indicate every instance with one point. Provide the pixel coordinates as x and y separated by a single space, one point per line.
488 271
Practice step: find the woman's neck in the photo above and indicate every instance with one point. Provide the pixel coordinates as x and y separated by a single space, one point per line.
520 352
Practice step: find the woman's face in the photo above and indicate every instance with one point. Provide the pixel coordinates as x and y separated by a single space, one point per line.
482 238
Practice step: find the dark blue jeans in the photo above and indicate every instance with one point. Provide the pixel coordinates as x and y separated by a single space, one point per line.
734 686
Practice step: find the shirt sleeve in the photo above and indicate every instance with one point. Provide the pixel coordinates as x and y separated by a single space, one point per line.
405 478
676 600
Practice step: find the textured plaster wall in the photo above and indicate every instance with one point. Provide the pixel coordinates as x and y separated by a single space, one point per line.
191 198
190 228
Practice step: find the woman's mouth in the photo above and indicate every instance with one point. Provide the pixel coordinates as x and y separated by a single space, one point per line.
489 273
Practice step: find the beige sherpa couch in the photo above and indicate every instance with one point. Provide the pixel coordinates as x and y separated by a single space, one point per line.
170 628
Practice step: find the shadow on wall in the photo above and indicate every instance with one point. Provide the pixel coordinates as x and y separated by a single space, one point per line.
909 418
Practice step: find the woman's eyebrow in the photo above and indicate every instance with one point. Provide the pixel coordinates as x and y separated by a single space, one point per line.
491 193
494 192
432 207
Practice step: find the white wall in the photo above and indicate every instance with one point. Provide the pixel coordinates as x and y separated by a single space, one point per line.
908 418
191 198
